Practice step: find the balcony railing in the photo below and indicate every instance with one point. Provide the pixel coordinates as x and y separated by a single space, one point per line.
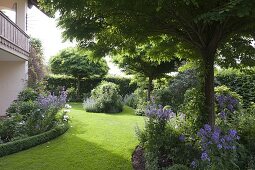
12 36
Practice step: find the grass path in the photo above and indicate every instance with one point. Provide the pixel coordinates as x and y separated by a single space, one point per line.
95 142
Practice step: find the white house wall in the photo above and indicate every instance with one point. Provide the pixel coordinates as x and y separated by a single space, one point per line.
20 13
13 76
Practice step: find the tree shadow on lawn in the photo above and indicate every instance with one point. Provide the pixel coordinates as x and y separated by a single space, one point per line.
65 153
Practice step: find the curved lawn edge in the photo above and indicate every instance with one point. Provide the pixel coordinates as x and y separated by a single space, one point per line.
23 144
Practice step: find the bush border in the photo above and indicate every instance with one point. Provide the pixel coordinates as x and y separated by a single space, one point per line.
23 144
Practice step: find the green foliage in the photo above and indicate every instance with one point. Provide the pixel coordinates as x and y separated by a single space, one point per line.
131 100
142 102
242 82
192 107
226 91
25 104
162 142
31 114
22 144
141 107
76 63
98 138
141 63
23 108
54 83
36 68
105 98
7 129
174 94
247 128
198 30
28 94
178 167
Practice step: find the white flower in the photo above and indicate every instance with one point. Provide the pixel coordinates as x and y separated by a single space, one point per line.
65 118
66 111
67 106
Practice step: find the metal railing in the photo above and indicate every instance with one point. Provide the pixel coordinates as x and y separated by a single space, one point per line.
12 36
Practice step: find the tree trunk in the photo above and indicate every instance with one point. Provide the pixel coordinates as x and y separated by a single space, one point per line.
208 59
78 88
149 89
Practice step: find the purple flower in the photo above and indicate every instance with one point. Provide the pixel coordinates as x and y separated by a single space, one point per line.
193 164
159 112
207 128
219 146
182 138
223 115
232 132
205 157
216 136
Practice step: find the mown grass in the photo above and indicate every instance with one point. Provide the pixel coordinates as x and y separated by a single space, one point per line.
95 141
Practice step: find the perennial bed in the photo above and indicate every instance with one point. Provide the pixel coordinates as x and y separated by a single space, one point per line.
26 143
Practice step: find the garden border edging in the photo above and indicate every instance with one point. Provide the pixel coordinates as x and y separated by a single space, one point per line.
23 144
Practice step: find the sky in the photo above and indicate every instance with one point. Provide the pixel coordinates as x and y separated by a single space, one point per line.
44 28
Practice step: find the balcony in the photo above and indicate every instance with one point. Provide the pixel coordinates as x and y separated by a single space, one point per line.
12 38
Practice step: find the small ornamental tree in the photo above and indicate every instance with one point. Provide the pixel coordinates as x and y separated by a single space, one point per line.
77 64
142 64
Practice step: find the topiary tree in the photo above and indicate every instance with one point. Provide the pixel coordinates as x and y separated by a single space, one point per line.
141 64
76 63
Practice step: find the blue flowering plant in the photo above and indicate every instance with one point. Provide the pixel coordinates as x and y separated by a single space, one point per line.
219 149
228 105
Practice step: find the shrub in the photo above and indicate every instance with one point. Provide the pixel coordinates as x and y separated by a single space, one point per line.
28 94
106 97
219 148
141 108
55 81
31 114
247 128
26 143
178 167
23 108
131 100
163 139
174 95
192 107
7 129
228 106
239 82
90 105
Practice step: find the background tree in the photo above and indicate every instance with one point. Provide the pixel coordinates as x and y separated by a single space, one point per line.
202 27
141 64
36 69
76 63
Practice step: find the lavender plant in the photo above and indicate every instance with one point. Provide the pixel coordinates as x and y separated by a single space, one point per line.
219 148
52 101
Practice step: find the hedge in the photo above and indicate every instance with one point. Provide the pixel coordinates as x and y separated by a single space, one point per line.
54 82
243 84
19 145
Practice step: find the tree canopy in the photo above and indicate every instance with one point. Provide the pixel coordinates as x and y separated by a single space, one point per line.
76 63
203 28
141 63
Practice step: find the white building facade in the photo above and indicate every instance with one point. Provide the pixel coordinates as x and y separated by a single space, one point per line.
14 50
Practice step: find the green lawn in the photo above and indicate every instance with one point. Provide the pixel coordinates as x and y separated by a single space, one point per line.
95 141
